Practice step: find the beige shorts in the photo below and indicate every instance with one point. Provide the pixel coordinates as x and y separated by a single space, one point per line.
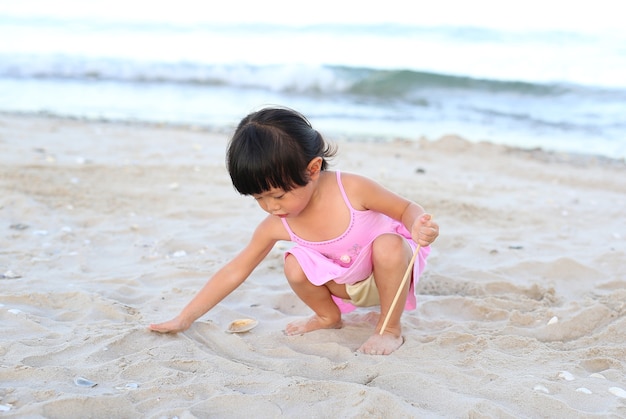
363 293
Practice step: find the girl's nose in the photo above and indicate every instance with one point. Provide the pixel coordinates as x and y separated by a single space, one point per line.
270 204
274 205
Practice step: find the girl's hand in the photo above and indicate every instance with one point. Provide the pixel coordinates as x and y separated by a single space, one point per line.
173 326
425 230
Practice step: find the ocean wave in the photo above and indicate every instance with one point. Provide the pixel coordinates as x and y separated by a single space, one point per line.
292 78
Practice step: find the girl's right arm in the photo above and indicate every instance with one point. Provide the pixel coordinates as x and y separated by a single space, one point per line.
227 279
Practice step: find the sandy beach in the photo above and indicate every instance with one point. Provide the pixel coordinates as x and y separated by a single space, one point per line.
107 227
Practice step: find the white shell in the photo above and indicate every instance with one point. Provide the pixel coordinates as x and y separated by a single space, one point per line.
583 390
129 386
619 392
84 382
242 325
553 320
566 375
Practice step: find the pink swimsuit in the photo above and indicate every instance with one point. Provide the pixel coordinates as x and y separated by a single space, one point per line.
347 259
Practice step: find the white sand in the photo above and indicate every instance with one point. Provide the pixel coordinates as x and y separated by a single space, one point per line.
108 227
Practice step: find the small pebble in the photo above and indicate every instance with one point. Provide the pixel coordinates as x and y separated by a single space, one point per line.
553 320
597 375
565 375
583 390
179 254
541 388
619 392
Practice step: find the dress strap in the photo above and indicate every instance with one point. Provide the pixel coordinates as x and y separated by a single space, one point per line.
286 225
343 191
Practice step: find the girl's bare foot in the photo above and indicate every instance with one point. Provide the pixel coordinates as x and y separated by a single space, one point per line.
373 317
381 344
310 324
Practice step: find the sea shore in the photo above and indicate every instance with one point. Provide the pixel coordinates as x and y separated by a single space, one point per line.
107 227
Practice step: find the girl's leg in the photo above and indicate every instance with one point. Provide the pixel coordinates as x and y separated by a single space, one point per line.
318 298
391 255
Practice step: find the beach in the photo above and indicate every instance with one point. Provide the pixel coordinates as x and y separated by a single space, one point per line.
110 226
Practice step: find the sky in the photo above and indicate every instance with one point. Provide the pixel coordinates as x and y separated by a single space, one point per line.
529 14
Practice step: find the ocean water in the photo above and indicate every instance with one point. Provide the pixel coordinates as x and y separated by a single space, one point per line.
528 81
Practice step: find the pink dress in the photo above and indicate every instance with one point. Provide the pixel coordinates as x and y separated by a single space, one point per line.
347 259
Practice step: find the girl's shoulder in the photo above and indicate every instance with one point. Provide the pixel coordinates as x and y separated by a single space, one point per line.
271 228
354 182
357 188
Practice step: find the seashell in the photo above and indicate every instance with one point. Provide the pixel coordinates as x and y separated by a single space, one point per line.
566 375
5 407
619 392
541 388
10 275
583 390
242 325
553 320
129 386
597 375
83 382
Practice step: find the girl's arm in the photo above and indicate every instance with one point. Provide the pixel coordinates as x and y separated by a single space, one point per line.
366 194
226 280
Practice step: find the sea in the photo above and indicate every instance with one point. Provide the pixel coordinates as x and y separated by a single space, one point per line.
553 77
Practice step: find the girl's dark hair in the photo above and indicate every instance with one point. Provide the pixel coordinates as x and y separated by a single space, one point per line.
271 148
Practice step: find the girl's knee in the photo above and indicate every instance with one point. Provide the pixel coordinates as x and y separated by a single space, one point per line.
390 249
293 270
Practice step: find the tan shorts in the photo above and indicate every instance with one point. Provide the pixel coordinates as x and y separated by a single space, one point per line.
363 293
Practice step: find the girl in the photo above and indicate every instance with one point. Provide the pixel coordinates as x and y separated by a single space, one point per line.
353 238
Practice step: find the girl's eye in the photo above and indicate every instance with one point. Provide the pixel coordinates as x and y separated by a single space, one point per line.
279 197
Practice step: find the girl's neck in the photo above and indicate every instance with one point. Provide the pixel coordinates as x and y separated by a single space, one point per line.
326 215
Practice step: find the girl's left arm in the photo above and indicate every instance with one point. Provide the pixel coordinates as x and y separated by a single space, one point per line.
364 194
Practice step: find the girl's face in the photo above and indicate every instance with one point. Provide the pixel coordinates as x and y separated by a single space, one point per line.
284 204
290 204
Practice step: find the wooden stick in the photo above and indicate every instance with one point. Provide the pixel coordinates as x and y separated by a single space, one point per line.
408 272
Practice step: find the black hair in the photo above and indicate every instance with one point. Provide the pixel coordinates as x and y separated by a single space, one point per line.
272 148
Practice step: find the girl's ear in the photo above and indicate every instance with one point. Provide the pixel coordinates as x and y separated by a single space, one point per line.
315 166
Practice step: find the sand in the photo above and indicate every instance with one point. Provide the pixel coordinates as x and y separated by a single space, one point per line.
107 227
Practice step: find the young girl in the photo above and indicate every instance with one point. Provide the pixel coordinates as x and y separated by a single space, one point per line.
353 238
